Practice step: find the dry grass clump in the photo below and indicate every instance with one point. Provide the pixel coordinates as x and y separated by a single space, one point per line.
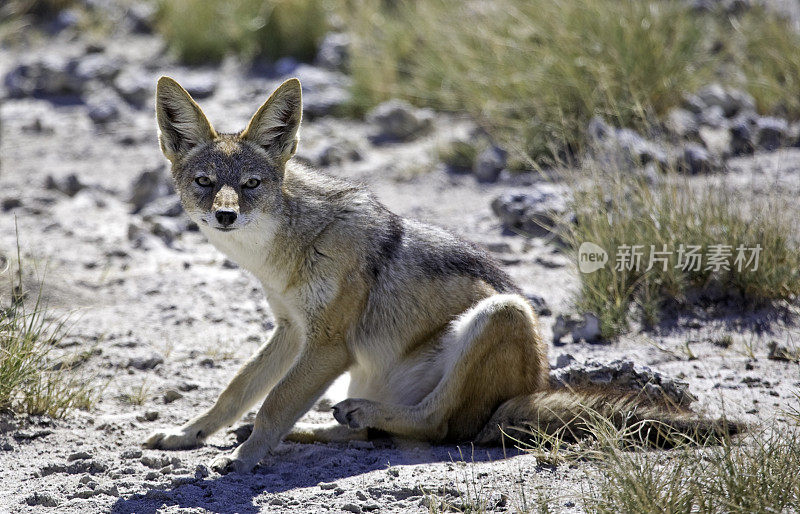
30 381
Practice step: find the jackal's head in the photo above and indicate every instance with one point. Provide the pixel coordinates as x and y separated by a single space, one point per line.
228 181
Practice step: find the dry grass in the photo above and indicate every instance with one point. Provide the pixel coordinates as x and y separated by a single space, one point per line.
30 381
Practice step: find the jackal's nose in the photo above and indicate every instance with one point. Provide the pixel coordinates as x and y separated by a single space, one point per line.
225 217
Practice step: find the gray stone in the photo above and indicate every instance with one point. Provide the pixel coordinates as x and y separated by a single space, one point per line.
325 92
771 133
717 141
539 304
682 124
96 67
42 500
713 117
564 360
148 186
398 120
696 159
588 330
334 51
79 456
200 85
623 146
693 104
69 185
168 206
145 362
135 86
534 212
742 135
489 163
172 395
730 101
103 107
623 375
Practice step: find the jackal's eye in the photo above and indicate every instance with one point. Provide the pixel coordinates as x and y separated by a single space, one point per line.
252 183
203 181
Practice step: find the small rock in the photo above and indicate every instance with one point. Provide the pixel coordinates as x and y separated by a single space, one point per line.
155 462
717 141
132 454
588 330
69 185
200 85
42 500
325 486
564 360
200 471
351 507
682 124
167 206
96 67
693 104
10 203
398 120
148 186
489 163
171 395
624 375
146 362
135 86
151 415
730 101
771 133
187 386
103 107
533 213
539 304
334 50
79 456
713 117
696 160
742 135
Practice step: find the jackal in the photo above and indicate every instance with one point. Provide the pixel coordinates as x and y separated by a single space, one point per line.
439 343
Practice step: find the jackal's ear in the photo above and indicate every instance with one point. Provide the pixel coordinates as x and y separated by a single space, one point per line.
181 123
274 126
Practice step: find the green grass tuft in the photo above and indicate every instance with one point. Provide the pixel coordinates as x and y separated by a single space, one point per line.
30 383
204 31
617 210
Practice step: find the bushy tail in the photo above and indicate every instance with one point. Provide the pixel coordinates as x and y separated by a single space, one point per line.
571 415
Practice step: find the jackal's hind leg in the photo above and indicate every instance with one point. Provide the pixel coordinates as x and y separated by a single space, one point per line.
492 352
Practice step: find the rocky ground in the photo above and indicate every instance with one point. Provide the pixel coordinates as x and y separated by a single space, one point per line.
164 320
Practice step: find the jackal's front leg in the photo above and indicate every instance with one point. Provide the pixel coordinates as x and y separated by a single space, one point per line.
316 368
250 384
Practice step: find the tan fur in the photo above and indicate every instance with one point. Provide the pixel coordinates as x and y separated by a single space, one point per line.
434 334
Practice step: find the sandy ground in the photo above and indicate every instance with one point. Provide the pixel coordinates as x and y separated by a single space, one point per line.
131 298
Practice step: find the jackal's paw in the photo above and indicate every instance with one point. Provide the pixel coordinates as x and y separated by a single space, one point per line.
355 413
174 439
227 464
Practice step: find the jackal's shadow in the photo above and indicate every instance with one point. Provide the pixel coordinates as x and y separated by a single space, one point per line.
297 466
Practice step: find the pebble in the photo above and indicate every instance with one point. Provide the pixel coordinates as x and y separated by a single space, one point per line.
489 163
79 456
145 362
42 500
69 185
399 120
171 395
771 133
